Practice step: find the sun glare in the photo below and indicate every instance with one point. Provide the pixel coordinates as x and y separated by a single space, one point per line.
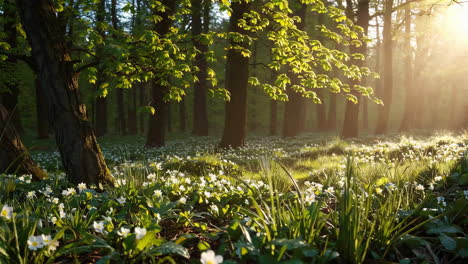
456 21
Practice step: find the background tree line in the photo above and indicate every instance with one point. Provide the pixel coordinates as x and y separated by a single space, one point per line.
219 68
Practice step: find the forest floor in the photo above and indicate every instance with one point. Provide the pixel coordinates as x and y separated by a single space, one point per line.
302 200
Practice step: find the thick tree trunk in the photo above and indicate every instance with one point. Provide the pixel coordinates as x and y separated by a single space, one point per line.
132 111
101 116
331 121
9 99
81 156
142 103
121 123
182 116
14 157
273 117
42 109
169 117
294 113
384 111
237 74
295 108
157 122
200 114
351 121
321 113
252 111
365 114
100 108
408 116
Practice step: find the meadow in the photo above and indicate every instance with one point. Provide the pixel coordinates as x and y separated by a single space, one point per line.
303 200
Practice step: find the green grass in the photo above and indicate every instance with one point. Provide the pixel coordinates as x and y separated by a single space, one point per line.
304 200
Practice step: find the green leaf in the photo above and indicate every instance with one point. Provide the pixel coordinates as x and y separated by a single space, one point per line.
172 248
203 246
289 243
444 229
448 242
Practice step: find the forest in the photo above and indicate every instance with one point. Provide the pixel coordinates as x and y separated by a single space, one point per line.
234 131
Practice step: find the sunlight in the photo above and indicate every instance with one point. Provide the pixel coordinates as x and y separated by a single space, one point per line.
456 21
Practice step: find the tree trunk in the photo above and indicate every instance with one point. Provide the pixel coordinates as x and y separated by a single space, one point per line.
252 111
142 103
200 114
101 116
121 123
182 116
169 117
14 157
9 99
157 121
295 108
132 111
408 115
81 156
331 121
237 74
384 111
42 109
273 117
351 121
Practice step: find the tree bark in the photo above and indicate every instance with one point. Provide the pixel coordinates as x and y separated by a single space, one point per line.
384 111
169 117
408 116
273 117
351 121
10 98
252 111
81 155
14 157
101 115
121 123
200 114
42 109
237 74
132 111
331 121
295 108
157 121
142 103
182 116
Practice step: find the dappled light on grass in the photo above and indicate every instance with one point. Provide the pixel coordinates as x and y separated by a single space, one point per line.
355 201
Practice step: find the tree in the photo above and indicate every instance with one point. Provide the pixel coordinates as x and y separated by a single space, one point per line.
200 114
408 116
101 116
237 74
14 158
295 58
42 109
81 155
10 92
351 121
160 87
121 123
384 111
295 108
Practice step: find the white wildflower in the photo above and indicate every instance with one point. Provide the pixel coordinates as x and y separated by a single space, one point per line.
209 257
7 211
140 232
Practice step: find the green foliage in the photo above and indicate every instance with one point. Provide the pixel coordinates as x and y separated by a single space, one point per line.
191 200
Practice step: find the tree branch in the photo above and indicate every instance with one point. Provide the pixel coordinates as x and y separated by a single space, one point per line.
27 59
84 67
